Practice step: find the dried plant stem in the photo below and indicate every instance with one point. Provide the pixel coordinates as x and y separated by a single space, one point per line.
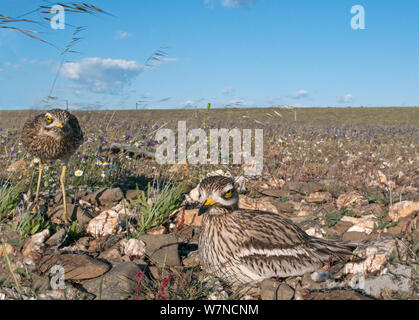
6 256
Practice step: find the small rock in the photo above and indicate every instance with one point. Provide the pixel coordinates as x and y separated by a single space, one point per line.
376 255
350 199
269 289
262 204
315 232
132 195
72 212
304 188
342 226
104 224
57 238
111 254
284 292
354 236
135 248
399 280
403 209
76 266
34 243
405 226
273 192
157 230
162 249
190 218
192 260
120 283
286 207
110 197
319 197
362 225
303 214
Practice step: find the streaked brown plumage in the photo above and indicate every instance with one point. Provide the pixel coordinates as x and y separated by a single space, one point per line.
54 135
49 142
245 246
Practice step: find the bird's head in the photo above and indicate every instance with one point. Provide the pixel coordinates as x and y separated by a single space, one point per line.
218 195
56 123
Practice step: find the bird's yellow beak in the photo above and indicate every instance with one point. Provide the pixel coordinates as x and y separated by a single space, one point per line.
60 125
205 206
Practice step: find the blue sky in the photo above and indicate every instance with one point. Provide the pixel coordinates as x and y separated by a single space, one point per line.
250 53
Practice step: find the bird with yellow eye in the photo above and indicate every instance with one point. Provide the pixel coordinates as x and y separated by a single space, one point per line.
54 135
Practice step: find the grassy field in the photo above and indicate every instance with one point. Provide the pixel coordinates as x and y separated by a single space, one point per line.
349 147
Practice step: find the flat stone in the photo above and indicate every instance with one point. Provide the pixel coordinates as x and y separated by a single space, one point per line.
111 255
120 283
287 207
350 199
269 289
58 212
104 224
354 236
274 192
57 238
284 292
110 197
304 188
403 209
162 249
133 195
319 197
190 218
76 266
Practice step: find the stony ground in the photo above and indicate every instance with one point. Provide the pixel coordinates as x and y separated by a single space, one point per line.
349 174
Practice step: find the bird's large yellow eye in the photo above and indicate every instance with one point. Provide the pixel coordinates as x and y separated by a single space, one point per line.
48 119
228 194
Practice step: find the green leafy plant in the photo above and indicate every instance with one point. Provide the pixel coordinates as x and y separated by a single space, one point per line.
9 198
29 224
154 212
284 199
332 219
381 225
75 232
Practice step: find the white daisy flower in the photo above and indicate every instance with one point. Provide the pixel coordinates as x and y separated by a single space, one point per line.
99 163
104 174
78 173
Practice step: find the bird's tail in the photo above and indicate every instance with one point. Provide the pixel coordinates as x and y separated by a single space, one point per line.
328 248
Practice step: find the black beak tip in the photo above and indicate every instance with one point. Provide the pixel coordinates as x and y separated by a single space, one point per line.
202 210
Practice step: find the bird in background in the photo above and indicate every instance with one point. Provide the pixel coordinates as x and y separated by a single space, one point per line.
246 246
54 135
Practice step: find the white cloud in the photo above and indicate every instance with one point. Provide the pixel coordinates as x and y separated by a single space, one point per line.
102 75
240 103
346 98
188 104
301 94
228 90
122 35
233 3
